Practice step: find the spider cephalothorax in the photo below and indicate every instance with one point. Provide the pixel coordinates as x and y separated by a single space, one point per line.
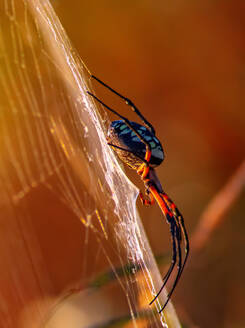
137 146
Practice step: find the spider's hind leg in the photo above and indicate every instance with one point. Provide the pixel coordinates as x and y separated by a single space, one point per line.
129 103
128 123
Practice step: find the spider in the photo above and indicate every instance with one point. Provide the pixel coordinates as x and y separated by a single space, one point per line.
138 147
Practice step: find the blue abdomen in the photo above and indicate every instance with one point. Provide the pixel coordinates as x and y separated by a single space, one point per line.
121 135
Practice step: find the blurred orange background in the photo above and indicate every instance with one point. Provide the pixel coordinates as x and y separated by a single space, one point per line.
183 64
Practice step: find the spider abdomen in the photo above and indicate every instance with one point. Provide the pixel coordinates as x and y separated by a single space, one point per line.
121 135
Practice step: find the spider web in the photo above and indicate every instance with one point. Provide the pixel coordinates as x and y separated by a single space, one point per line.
52 139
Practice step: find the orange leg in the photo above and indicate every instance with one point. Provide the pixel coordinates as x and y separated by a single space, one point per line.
170 211
147 202
144 168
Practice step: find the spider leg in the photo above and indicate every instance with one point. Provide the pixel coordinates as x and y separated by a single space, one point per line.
172 215
186 239
166 277
149 201
181 222
144 165
144 168
179 267
128 102
180 225
148 147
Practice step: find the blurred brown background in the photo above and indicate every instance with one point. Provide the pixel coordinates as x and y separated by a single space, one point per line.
183 64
